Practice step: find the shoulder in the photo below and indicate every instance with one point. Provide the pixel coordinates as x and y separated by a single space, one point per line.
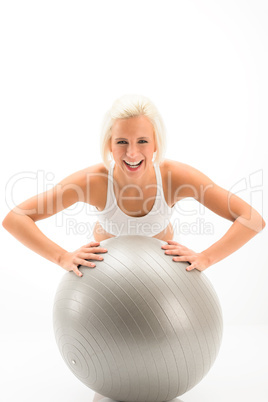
183 178
95 172
96 179
87 175
85 182
179 172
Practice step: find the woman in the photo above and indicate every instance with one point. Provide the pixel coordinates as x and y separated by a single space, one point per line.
134 192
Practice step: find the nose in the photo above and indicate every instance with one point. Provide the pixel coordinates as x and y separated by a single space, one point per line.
132 151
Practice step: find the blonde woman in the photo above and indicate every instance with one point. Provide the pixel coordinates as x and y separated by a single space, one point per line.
134 191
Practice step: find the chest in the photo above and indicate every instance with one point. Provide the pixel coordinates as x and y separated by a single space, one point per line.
135 200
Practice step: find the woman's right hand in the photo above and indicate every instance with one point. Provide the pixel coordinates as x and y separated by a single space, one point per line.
72 260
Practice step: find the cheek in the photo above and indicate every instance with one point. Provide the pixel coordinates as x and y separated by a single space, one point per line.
150 150
117 151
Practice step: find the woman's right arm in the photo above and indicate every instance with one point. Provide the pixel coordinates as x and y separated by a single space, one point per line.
20 221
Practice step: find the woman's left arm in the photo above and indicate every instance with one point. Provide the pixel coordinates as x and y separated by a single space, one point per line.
247 222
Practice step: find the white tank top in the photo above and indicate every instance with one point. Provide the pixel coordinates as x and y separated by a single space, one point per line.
116 222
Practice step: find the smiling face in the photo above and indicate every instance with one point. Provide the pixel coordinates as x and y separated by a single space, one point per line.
133 143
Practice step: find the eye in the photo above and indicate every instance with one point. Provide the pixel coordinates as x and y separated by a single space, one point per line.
124 142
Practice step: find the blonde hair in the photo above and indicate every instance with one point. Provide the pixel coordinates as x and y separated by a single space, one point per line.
125 107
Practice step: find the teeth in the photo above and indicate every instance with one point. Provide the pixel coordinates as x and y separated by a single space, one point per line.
133 163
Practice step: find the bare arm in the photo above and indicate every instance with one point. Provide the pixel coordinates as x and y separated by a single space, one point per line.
20 221
24 229
247 222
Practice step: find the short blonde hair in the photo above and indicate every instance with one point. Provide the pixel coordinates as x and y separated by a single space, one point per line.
127 106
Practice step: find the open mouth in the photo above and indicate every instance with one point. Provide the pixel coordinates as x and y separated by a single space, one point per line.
133 167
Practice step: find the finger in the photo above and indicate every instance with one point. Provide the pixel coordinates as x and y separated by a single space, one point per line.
174 251
174 247
80 261
173 242
166 246
76 271
90 256
190 268
92 244
94 249
186 258
169 243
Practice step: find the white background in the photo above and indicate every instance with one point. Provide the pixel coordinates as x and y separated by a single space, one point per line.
204 64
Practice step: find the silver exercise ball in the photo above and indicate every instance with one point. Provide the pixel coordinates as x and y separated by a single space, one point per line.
138 326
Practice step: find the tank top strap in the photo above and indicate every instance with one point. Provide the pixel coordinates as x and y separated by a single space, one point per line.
110 192
160 191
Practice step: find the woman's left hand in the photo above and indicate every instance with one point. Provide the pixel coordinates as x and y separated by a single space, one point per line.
197 261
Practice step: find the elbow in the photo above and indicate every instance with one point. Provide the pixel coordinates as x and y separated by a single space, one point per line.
259 224
7 220
252 221
10 220
259 221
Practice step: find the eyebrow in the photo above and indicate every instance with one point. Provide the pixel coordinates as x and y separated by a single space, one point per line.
121 138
